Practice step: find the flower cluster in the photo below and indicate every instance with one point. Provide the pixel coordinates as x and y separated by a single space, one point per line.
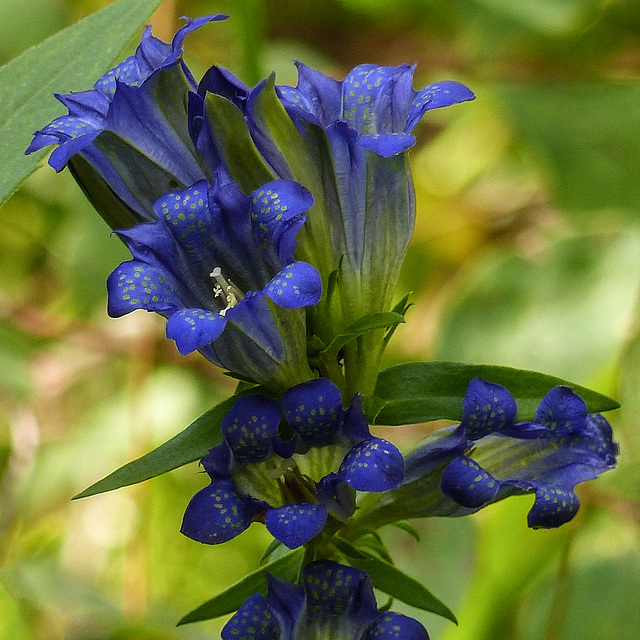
333 601
268 225
291 485
489 456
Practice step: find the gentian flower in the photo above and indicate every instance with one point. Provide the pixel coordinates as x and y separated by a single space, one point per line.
489 456
333 601
347 142
291 485
219 265
127 140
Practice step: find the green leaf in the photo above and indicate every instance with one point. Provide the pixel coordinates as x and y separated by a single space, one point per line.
189 445
235 145
230 600
361 326
422 391
396 583
71 60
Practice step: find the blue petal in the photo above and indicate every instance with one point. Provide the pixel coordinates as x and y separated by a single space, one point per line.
136 285
317 97
467 483
373 465
339 599
186 216
434 96
377 99
395 626
216 514
297 285
553 507
486 407
250 427
563 412
254 620
277 210
194 328
314 409
387 144
296 524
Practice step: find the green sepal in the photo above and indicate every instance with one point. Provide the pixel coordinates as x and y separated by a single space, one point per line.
271 119
231 599
407 528
394 582
235 145
189 445
423 391
274 545
361 326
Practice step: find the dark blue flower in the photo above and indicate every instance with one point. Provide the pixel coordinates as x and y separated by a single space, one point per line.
219 265
333 601
489 456
127 140
292 485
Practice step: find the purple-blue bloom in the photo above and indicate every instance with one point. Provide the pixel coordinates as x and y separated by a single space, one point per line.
333 601
219 265
127 140
489 456
292 485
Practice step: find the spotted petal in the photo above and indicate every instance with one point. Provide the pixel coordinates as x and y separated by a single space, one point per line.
395 626
552 507
373 465
434 96
486 407
297 285
562 412
216 514
375 99
250 426
296 524
254 620
314 409
339 600
467 483
138 285
277 210
194 328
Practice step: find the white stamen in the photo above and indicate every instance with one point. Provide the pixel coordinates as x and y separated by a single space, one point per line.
226 290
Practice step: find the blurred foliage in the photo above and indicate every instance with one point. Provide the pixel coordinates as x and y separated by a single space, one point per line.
526 254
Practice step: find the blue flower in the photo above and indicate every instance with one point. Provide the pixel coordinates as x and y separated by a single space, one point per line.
291 485
219 265
127 140
489 456
346 142
333 601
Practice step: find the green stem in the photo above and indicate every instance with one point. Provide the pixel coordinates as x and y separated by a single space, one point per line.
250 16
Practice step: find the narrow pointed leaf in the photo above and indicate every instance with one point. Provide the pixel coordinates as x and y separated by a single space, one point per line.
230 600
70 60
189 445
361 326
396 583
423 391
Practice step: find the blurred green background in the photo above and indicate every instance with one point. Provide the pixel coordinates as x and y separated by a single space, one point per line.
526 253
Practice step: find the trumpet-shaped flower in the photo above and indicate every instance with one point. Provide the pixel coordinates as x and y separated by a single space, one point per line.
489 456
127 140
333 601
219 265
291 485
